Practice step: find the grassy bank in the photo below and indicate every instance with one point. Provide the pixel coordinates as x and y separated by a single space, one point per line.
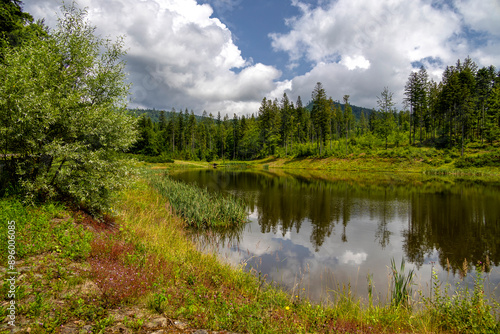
478 160
371 164
137 271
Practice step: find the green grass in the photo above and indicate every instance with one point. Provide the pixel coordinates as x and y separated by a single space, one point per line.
401 285
466 310
45 228
197 206
478 159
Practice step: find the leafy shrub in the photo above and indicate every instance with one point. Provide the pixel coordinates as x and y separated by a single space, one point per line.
491 159
162 158
67 94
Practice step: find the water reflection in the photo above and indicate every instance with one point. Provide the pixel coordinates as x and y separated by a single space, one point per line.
462 222
311 223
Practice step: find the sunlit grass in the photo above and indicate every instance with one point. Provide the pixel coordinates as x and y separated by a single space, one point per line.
197 206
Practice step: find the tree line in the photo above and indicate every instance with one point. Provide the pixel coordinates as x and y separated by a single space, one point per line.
464 107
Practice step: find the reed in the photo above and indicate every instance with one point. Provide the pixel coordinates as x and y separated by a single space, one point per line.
198 207
401 284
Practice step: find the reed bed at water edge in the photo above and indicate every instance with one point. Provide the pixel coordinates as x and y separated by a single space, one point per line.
198 207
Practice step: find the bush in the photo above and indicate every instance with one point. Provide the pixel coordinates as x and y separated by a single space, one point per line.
491 159
67 94
162 158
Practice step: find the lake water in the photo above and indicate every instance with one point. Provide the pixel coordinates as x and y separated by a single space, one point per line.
315 232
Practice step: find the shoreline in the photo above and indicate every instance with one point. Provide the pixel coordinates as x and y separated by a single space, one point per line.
189 290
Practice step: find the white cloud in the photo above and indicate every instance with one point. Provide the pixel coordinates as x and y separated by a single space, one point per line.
377 42
354 258
481 15
351 27
355 62
178 55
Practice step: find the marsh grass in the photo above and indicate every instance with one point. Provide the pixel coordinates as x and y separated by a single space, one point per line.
401 284
198 207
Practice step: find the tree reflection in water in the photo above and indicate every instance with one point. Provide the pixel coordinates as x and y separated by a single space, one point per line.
456 218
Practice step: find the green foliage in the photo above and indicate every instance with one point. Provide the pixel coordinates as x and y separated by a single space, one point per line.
84 309
62 114
157 302
162 158
16 26
465 311
197 206
37 231
401 285
491 159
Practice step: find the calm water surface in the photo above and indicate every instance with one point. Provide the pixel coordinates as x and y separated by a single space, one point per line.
314 231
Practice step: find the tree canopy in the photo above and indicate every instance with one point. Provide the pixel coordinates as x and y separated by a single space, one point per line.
62 114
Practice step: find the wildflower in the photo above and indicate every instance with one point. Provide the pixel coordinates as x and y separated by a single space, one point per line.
287 308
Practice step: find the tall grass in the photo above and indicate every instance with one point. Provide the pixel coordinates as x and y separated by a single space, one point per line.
197 206
466 310
401 284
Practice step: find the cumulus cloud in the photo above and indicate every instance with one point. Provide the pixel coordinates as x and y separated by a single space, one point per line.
178 54
354 258
481 15
355 62
357 47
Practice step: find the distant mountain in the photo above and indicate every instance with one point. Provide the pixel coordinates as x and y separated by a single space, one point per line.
356 111
154 114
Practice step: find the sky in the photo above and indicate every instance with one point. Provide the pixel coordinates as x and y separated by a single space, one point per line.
227 55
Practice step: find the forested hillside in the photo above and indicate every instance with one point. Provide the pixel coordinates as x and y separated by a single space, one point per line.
463 108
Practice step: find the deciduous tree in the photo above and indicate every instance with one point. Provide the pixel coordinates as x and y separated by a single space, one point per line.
62 113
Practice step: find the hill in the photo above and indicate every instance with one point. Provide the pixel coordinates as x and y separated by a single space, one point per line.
356 111
154 114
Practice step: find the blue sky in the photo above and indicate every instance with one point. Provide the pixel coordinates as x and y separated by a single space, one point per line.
251 22
226 55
